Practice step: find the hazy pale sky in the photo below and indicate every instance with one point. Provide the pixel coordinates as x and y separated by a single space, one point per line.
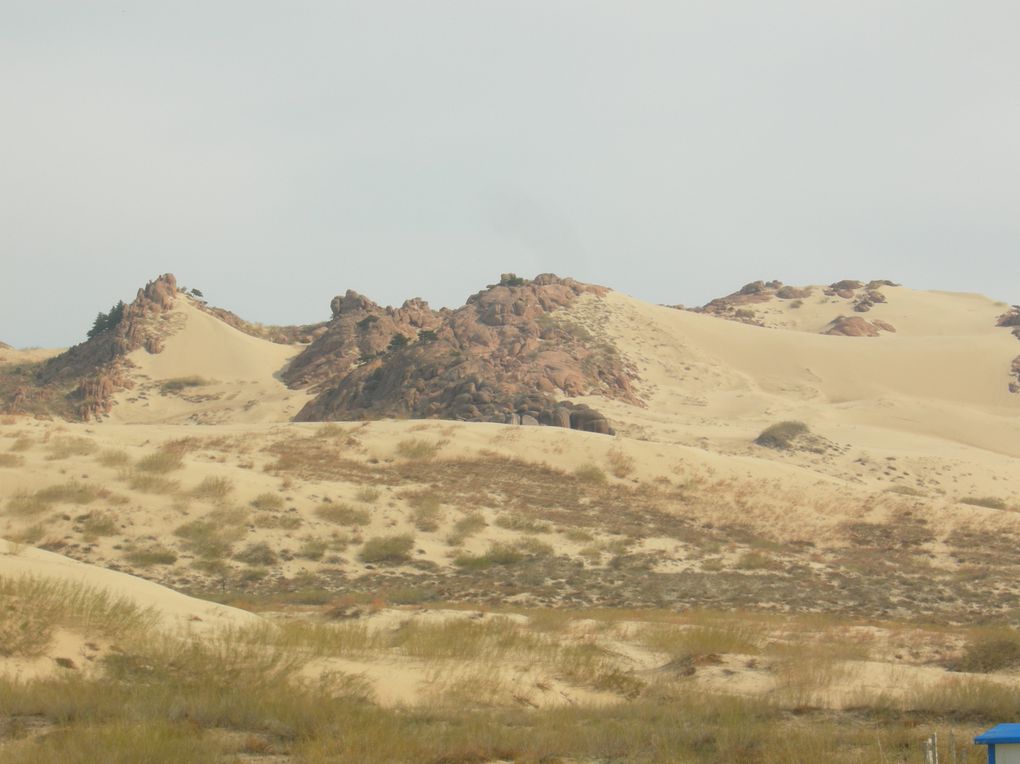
274 154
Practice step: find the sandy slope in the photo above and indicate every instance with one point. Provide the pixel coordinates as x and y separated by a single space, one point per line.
177 611
925 409
239 375
934 393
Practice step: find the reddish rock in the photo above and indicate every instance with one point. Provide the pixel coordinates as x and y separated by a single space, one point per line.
87 375
852 326
499 358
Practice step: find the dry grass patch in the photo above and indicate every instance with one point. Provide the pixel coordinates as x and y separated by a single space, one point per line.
989 650
989 502
153 554
96 524
368 495
343 514
288 522
212 537
268 502
161 462
72 492
620 465
522 524
590 474
148 483
426 510
213 488
113 458
11 460
22 443
466 527
63 447
32 607
416 449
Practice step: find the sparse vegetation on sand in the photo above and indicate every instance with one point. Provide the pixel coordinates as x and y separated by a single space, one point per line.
343 514
989 502
387 550
247 692
177 384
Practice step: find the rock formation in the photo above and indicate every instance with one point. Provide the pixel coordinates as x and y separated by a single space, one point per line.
87 375
855 326
503 357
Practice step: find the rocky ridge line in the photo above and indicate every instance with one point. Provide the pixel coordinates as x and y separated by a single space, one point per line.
95 369
862 296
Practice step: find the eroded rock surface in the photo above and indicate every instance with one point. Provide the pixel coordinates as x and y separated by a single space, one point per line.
503 357
94 370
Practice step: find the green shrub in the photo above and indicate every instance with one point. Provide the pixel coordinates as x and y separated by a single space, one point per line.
106 321
781 435
212 537
467 526
156 554
498 554
390 550
343 514
426 511
257 554
98 524
180 383
522 524
313 548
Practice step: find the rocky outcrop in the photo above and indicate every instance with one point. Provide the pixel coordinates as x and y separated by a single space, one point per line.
739 306
360 331
1010 318
503 357
5 346
855 326
87 375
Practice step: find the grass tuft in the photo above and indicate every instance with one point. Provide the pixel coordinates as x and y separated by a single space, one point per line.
387 550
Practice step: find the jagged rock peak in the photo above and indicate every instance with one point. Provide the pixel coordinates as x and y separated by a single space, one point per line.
351 302
160 292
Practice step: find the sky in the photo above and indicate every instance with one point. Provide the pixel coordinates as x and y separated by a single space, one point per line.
274 154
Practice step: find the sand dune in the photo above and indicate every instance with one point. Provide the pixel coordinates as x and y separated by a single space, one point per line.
232 376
